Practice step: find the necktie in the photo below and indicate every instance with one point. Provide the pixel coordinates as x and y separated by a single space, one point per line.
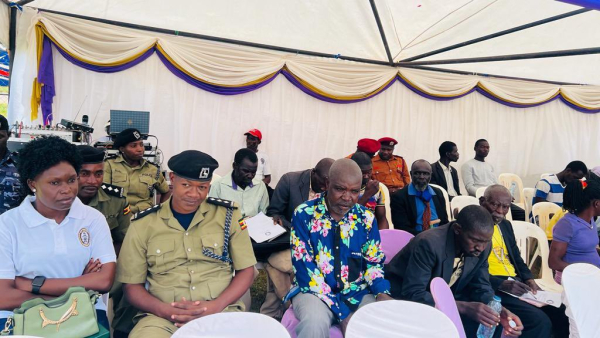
426 215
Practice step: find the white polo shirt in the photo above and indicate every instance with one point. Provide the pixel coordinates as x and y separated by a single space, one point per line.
33 245
264 167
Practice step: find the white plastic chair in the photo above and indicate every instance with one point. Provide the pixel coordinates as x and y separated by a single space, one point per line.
525 230
480 192
446 198
528 194
514 184
233 324
579 281
542 212
400 319
386 197
460 202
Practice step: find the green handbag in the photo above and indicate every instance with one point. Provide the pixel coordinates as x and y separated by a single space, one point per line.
71 315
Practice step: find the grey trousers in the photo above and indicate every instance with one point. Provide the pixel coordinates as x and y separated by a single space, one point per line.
315 316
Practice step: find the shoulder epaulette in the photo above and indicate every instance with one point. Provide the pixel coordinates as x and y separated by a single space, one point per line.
221 202
112 190
146 212
111 157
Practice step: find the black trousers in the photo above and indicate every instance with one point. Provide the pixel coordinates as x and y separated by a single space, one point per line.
535 321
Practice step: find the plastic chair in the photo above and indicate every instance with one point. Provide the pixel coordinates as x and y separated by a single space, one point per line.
480 191
446 198
579 281
289 321
444 301
400 319
386 197
460 202
514 184
392 241
525 230
233 324
528 194
541 213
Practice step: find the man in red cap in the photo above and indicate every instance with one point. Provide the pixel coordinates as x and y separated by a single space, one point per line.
263 173
388 168
368 146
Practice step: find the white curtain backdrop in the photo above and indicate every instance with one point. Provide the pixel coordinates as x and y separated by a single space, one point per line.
298 130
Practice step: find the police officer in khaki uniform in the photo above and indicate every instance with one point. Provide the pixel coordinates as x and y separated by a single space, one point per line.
186 250
111 202
106 198
140 179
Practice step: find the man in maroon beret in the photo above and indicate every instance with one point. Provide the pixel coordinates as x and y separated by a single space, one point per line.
368 146
388 168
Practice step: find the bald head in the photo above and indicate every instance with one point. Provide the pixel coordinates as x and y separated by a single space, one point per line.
323 166
345 170
496 200
319 175
420 173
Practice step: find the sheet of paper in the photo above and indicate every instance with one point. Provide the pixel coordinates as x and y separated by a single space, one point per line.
541 298
262 229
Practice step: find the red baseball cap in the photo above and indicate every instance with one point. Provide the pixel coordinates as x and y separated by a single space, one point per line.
255 133
368 145
388 141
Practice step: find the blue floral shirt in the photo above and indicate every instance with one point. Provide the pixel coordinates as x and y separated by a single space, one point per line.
316 238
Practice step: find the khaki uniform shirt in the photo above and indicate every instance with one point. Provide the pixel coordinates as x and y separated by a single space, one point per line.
117 213
135 180
158 250
393 173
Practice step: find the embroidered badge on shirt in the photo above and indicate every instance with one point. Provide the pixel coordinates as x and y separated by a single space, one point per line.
84 237
127 210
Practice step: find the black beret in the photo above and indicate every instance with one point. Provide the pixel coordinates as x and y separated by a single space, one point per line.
193 165
90 154
127 136
3 123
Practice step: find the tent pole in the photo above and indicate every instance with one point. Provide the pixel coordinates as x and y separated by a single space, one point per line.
497 34
12 41
24 2
218 39
381 32
461 72
525 56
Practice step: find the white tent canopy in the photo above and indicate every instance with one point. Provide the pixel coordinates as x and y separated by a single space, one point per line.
348 28
299 129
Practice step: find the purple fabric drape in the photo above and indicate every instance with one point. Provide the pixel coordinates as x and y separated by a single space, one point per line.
46 78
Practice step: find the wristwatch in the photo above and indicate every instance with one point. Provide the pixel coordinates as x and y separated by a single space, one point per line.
36 284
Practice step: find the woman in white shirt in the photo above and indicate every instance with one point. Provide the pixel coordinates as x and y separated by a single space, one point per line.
52 241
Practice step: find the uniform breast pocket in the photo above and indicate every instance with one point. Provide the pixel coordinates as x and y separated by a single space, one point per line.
160 254
212 244
119 177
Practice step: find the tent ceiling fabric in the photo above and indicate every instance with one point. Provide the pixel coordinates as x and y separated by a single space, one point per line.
4 24
412 27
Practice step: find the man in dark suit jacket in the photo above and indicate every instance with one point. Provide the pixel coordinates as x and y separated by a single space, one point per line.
510 274
448 153
292 190
409 205
456 252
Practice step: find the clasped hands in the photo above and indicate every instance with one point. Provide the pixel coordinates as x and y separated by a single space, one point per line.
184 311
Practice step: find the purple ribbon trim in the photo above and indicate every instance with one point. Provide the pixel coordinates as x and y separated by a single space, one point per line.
46 77
306 90
209 87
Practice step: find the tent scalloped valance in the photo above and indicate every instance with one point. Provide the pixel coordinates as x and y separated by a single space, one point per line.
232 69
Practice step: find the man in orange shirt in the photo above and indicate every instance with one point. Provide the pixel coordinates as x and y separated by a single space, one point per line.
388 168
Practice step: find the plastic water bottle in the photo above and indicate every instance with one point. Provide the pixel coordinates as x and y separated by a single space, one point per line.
485 331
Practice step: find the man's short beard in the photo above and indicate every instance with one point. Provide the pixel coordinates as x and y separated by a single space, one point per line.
420 187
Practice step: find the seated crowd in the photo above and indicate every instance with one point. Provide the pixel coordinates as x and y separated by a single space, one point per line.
186 252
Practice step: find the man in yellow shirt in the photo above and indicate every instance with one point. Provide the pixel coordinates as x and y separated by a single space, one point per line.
509 274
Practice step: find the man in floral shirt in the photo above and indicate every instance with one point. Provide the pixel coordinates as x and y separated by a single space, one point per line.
336 255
